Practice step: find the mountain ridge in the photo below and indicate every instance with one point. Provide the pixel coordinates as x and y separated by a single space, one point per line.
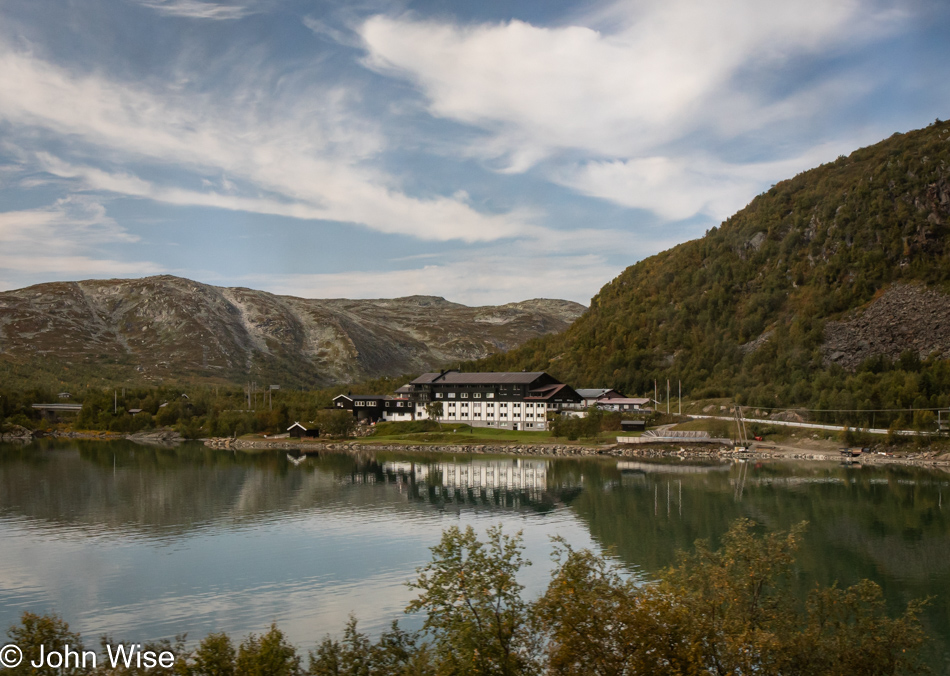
166 327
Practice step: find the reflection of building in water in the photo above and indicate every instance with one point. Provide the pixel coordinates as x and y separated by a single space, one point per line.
664 468
494 481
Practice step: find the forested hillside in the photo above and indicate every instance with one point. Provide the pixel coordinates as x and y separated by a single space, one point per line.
828 291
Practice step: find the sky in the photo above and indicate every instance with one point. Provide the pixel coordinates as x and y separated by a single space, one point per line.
487 152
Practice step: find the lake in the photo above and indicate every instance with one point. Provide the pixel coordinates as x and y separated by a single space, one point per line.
144 543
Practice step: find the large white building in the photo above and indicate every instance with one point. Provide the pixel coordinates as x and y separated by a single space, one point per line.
518 401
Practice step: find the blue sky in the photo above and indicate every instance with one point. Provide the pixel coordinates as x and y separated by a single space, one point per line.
486 152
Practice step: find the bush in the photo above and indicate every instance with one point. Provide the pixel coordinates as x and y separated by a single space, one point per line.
336 423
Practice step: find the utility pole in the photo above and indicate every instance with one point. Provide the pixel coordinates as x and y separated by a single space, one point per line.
667 396
680 382
115 407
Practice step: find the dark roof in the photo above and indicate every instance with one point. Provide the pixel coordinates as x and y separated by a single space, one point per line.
594 393
546 388
405 389
547 392
297 424
485 378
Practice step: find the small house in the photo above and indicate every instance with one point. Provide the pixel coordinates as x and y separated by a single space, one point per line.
298 431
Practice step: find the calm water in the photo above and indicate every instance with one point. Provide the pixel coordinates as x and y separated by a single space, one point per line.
145 543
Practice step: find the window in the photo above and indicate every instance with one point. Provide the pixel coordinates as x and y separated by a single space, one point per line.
489 406
476 395
464 395
490 395
451 395
399 404
361 403
438 395
516 405
477 407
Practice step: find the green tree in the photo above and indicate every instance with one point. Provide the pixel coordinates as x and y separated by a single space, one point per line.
36 631
268 655
472 600
396 653
336 423
215 656
434 411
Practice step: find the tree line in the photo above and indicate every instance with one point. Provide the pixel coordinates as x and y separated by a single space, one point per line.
195 411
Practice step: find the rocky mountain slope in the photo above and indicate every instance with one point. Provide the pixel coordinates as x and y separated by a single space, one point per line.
809 295
168 328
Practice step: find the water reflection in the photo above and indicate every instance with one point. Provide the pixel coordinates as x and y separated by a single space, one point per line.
146 542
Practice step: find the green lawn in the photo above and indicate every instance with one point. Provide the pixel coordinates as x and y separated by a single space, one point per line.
457 433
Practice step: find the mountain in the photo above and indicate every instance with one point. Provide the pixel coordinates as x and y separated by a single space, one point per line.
830 290
171 328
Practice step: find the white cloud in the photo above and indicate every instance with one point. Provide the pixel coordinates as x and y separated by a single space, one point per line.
306 149
504 281
61 239
396 215
490 277
542 89
669 69
195 9
72 267
679 187
71 222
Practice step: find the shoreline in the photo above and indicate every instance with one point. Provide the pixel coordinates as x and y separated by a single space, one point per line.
804 451
682 452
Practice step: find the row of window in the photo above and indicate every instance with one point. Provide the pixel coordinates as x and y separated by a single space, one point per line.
501 414
501 405
463 395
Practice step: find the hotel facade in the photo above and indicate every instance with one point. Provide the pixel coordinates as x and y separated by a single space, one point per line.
517 400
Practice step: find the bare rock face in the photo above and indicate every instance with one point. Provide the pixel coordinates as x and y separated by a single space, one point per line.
167 327
787 416
15 433
903 318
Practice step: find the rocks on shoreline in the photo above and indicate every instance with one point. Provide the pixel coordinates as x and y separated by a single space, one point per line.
15 433
568 450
